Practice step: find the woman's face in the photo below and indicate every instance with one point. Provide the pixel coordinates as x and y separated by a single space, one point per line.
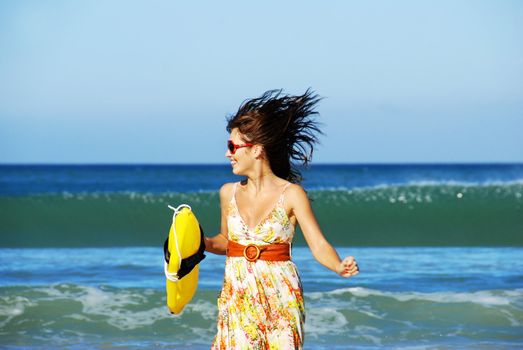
242 159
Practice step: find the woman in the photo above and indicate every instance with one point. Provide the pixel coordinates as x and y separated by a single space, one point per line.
261 303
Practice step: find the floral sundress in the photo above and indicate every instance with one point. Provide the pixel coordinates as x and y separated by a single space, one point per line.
261 303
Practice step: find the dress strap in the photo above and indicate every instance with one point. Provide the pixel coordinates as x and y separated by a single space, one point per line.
283 192
234 189
233 198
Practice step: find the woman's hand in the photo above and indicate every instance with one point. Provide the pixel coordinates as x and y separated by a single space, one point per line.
348 267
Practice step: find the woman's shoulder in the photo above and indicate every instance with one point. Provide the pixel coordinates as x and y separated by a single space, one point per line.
291 186
226 190
295 192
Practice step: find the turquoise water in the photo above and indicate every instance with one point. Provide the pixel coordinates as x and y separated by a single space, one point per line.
419 298
356 205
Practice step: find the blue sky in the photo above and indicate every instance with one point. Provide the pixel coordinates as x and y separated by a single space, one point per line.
152 81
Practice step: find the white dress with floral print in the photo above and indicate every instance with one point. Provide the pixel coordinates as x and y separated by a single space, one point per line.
261 303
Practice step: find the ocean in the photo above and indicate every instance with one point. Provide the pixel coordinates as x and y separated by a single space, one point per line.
440 248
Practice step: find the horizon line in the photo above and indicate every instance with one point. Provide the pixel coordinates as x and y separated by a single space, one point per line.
227 164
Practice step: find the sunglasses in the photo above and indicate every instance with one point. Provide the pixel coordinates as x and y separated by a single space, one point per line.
232 147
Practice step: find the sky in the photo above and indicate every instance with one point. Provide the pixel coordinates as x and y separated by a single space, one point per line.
153 81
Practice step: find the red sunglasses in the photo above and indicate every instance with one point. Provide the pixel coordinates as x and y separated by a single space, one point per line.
233 147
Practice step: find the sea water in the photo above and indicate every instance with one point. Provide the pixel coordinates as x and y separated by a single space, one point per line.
81 263
419 298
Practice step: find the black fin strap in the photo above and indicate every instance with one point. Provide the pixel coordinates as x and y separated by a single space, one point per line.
189 263
166 252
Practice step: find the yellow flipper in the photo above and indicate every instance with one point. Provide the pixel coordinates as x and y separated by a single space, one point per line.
184 241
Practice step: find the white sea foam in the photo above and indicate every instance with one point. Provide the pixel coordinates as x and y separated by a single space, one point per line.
13 306
205 308
322 321
78 317
371 313
369 333
485 298
115 306
149 196
420 183
514 322
123 309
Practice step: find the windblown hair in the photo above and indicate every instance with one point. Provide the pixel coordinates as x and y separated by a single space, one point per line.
284 125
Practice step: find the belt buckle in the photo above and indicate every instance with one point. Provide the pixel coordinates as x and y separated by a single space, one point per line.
251 255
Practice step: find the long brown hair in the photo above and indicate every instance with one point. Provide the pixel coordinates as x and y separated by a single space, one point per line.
284 125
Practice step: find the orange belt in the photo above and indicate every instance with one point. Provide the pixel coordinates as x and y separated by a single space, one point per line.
253 252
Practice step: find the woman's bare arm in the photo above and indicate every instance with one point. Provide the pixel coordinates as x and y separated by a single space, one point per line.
320 247
218 243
